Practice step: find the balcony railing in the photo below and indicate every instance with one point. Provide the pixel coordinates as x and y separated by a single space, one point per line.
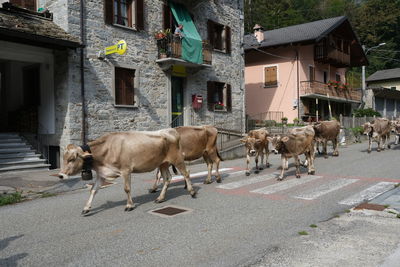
327 54
319 88
171 47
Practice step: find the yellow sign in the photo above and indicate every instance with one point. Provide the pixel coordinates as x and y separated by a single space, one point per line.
119 48
179 71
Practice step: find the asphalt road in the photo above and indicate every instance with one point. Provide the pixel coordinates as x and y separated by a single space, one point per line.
230 224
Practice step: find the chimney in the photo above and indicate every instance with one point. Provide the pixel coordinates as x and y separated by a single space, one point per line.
259 33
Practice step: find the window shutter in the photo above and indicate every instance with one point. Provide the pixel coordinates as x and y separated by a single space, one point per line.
108 11
228 43
28 4
270 76
228 98
210 29
130 6
210 95
167 17
139 15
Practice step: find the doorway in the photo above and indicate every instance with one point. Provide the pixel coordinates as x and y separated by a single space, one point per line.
177 104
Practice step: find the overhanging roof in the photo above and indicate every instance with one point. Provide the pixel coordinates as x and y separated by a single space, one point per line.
381 75
22 27
385 92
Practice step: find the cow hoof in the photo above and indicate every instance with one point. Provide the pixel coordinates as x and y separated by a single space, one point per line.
84 212
297 175
247 173
193 193
378 150
325 156
279 179
388 146
152 190
335 155
219 180
256 171
128 208
311 172
207 182
261 168
268 165
369 151
159 200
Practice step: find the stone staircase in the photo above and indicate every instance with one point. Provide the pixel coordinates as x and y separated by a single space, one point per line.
17 155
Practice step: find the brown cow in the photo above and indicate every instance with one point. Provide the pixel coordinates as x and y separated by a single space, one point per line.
396 130
197 142
378 131
298 141
327 131
256 144
120 154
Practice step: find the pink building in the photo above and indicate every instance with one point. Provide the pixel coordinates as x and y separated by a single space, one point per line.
300 71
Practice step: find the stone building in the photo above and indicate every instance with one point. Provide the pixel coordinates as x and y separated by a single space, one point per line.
153 85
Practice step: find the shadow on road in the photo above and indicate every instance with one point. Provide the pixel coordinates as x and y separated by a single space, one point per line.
12 260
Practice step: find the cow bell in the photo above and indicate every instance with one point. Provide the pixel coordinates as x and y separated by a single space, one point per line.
87 175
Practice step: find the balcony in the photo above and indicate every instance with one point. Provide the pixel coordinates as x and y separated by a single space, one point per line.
170 53
314 89
327 54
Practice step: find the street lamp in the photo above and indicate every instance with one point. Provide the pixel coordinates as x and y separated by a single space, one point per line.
366 50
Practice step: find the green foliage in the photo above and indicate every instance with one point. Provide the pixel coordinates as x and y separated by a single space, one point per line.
10 198
303 233
47 194
369 112
313 226
357 130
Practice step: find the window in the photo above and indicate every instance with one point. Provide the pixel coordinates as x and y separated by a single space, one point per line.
338 77
124 86
271 76
128 13
219 36
311 73
325 77
28 4
219 96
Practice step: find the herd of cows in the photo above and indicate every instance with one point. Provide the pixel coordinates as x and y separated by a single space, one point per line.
123 153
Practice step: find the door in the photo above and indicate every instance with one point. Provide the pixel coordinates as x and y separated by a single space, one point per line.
177 101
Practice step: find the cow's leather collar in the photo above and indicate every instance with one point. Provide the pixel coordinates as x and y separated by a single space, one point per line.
86 148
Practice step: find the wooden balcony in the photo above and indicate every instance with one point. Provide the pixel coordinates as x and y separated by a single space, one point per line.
327 54
170 53
321 90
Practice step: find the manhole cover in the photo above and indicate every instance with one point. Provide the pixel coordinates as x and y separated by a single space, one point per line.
170 211
368 206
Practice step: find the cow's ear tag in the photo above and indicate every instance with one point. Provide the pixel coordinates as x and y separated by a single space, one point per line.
285 139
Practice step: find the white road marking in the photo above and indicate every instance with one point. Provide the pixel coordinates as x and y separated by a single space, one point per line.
284 185
234 185
368 194
326 188
198 174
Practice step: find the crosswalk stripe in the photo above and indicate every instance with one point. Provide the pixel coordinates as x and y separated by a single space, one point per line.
368 194
198 174
325 188
284 185
234 185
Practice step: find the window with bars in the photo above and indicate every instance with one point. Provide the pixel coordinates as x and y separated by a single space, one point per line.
28 4
271 76
128 13
219 36
219 96
124 86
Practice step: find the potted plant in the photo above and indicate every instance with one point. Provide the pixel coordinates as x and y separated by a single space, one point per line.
163 53
219 106
296 121
284 120
161 34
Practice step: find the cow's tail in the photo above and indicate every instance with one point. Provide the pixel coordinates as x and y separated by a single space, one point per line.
174 170
219 156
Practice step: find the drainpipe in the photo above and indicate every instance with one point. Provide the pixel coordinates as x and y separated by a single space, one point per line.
82 66
298 84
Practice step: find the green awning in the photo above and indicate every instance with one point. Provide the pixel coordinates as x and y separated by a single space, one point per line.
191 42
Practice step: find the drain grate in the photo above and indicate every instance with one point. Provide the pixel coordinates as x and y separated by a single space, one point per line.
170 211
368 206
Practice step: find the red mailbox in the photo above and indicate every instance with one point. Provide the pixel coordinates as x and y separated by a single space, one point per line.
197 102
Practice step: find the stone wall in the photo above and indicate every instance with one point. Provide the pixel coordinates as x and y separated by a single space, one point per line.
152 113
